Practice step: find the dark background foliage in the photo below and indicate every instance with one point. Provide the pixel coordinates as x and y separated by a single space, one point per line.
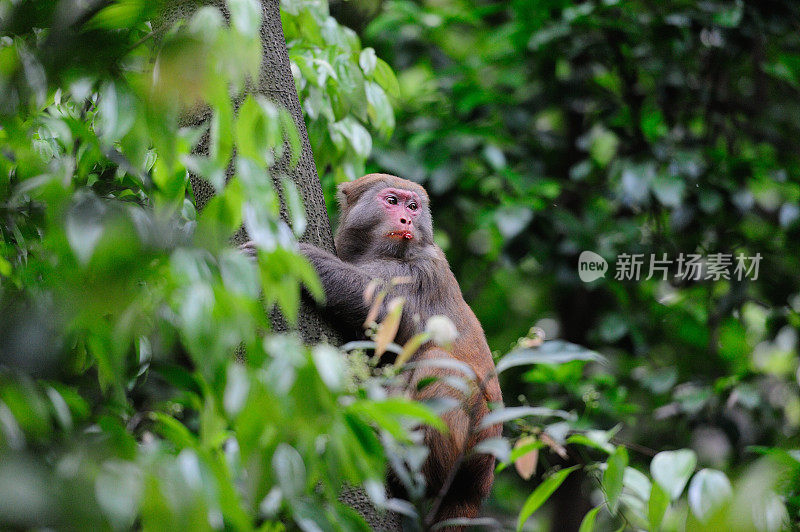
543 129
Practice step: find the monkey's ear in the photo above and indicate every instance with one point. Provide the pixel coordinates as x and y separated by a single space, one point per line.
347 193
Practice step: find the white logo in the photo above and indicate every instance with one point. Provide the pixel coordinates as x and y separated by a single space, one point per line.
591 266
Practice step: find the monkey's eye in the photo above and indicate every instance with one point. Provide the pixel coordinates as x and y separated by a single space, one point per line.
391 200
412 206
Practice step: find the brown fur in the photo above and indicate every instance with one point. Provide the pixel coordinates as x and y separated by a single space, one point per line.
364 253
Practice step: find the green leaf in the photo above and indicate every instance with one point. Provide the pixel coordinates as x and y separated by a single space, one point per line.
330 366
259 131
603 147
501 415
637 484
310 517
207 21
212 425
171 179
178 377
5 267
227 496
387 414
246 16
653 123
173 430
542 493
60 408
359 138
613 476
221 134
657 506
366 411
237 387
204 167
550 352
115 113
295 206
587 525
118 487
119 438
120 14
79 408
351 85
708 490
487 523
729 16
291 135
403 407
239 273
287 296
84 225
669 190
364 435
367 60
497 447
221 217
307 275
672 469
289 470
598 439
379 109
384 76
348 519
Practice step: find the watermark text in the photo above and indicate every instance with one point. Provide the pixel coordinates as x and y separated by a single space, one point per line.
684 267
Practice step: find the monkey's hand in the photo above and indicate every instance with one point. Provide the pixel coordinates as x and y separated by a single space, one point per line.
249 248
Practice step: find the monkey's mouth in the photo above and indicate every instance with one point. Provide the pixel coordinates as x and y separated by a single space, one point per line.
407 235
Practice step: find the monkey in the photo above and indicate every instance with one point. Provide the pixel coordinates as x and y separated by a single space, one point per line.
385 231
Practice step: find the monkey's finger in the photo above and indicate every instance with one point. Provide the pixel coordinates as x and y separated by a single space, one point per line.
249 248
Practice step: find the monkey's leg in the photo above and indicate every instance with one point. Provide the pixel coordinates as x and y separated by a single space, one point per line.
459 479
469 488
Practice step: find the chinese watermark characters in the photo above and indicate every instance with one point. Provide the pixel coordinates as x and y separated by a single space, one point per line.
684 267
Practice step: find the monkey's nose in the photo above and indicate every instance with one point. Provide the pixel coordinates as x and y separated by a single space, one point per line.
404 221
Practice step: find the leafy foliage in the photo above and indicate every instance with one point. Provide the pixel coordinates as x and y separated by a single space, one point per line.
122 307
540 129
344 88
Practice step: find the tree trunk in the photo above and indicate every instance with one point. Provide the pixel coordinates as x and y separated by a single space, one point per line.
276 83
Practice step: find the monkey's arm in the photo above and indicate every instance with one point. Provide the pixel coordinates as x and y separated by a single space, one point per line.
344 285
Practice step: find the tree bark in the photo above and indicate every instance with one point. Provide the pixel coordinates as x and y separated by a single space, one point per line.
276 83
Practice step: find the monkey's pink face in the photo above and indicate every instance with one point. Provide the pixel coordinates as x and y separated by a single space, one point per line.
401 208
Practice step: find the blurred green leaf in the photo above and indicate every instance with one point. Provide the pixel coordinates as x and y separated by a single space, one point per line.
552 352
246 16
613 477
708 490
502 415
542 493
657 505
385 77
672 469
587 524
289 470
